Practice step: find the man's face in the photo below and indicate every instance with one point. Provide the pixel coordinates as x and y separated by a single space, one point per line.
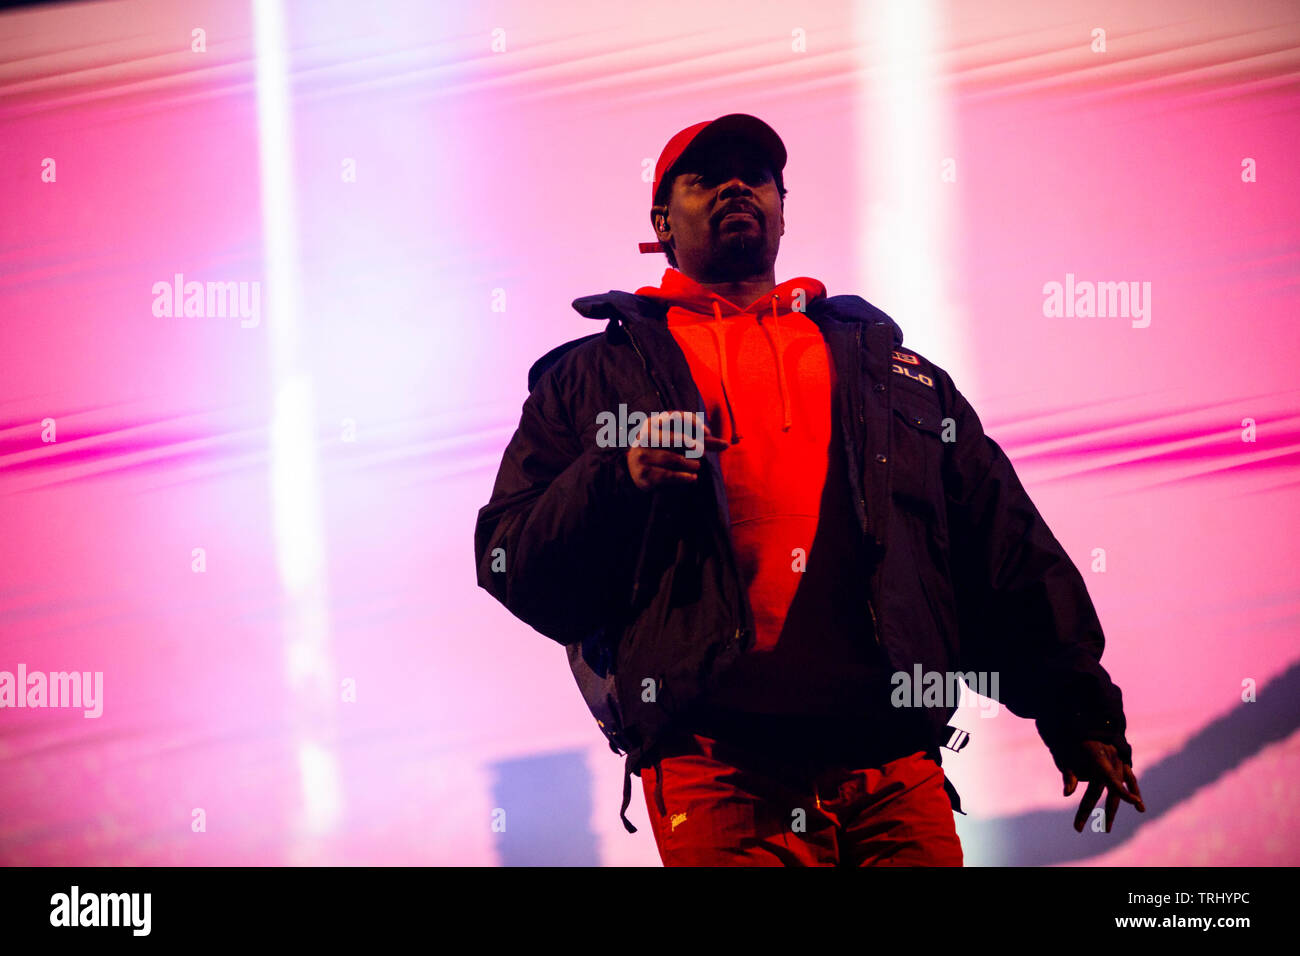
724 215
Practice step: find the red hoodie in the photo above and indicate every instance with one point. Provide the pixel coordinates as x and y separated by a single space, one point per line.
769 387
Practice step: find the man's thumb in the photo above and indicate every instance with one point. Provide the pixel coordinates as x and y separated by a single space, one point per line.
1071 781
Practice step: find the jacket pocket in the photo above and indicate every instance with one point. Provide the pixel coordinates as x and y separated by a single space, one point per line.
917 478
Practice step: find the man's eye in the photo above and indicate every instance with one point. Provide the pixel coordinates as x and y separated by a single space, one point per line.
757 175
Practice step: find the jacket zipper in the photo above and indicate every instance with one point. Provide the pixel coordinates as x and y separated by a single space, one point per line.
741 631
645 534
866 515
862 499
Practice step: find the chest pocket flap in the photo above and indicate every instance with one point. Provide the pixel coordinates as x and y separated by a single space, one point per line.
918 449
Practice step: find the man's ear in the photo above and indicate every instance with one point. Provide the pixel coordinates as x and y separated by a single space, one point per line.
659 221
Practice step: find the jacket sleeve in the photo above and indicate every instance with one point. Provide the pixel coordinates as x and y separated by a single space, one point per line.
556 542
1023 608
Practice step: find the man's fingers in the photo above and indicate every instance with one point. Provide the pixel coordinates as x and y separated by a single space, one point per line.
1131 779
685 430
675 464
668 460
695 433
1112 806
1071 781
657 475
1117 783
1090 798
688 431
654 468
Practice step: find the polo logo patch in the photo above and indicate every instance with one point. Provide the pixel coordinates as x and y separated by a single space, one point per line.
909 359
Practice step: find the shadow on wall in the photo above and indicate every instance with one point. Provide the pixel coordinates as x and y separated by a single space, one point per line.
547 811
1044 837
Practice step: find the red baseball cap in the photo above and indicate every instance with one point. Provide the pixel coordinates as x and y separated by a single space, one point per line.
732 129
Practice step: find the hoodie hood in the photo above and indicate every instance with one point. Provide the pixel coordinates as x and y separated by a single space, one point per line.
678 289
690 304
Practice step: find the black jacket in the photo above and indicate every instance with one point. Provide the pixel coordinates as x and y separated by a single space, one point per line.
643 588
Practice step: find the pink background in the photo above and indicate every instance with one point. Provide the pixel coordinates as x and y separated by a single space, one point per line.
520 170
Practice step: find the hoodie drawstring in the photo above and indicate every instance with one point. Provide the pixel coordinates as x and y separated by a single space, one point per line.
722 364
774 344
780 366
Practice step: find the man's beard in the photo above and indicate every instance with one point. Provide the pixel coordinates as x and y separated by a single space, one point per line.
741 253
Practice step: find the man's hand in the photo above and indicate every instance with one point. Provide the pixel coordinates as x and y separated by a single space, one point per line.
650 462
1101 766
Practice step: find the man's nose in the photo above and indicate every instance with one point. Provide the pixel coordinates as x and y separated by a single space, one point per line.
734 186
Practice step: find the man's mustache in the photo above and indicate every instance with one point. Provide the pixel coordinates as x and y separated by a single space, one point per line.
738 207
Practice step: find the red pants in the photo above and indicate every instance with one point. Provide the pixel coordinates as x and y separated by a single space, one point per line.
712 804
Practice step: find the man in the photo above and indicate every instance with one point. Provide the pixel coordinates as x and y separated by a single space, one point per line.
745 512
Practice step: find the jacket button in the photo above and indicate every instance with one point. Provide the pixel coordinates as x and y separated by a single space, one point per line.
881 458
879 387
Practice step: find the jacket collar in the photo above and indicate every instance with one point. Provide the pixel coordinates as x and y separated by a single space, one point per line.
636 309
